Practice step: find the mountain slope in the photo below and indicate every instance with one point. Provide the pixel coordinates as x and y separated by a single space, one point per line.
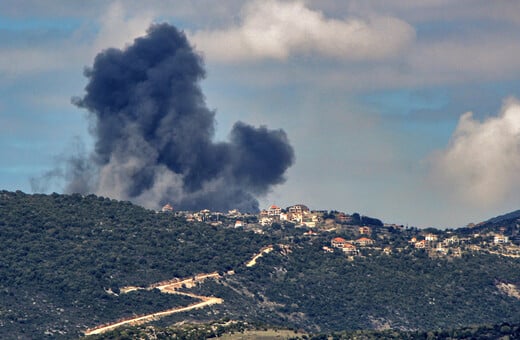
63 255
66 258
323 292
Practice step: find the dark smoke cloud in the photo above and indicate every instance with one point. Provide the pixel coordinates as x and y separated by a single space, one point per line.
154 133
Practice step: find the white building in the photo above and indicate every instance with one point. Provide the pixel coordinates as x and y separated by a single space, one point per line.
274 210
500 239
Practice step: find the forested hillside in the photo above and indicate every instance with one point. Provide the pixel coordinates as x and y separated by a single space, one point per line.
244 330
310 289
66 258
62 253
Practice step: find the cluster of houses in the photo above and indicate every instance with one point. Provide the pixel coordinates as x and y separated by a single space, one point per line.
431 243
298 214
349 247
440 244
453 245
491 242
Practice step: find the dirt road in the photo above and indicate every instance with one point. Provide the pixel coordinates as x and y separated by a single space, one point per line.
263 251
167 287
206 301
171 287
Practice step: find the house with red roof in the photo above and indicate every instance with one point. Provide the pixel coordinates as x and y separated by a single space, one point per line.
274 210
338 242
349 249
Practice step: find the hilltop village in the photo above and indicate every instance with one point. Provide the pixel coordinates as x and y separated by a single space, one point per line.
76 265
356 235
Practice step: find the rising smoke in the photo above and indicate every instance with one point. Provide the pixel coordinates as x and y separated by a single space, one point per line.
154 133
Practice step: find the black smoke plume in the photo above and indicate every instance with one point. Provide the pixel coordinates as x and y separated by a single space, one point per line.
154 133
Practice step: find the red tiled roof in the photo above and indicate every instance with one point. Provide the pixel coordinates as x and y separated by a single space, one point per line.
364 239
339 239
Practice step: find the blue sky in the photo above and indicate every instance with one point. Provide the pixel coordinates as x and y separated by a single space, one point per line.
373 95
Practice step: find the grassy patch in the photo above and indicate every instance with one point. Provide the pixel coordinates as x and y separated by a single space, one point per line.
268 334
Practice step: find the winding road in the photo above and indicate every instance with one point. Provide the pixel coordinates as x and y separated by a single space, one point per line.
171 287
206 301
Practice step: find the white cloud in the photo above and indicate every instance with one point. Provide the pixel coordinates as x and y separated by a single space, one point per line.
481 164
276 30
118 30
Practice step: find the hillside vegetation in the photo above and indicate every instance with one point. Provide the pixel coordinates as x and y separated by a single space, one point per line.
318 291
241 330
65 259
62 255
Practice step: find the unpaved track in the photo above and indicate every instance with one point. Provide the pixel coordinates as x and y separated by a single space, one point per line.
169 287
206 301
263 251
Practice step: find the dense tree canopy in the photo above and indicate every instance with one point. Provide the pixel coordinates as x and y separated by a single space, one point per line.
65 257
61 253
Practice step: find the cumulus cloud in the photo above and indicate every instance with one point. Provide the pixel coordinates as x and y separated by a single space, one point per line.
481 164
118 29
276 30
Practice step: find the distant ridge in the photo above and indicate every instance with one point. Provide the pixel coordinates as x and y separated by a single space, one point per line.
503 218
